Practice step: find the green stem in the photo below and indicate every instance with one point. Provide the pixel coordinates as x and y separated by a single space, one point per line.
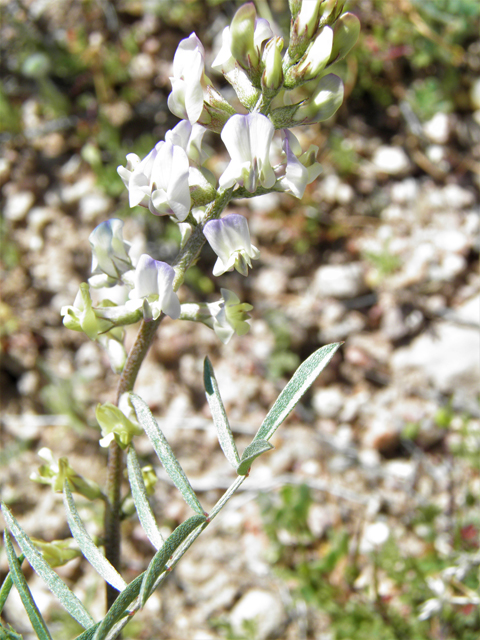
143 341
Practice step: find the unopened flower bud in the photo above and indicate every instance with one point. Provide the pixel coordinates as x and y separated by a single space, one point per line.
272 77
327 99
149 478
316 57
115 425
242 31
345 35
55 473
81 317
58 552
307 20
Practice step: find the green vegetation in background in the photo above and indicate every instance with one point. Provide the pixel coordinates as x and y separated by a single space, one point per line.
323 573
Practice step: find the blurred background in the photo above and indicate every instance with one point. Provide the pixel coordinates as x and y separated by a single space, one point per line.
364 521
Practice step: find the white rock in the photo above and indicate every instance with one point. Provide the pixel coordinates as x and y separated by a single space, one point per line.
339 280
457 197
451 240
18 205
142 66
270 282
262 607
93 205
328 402
404 191
392 160
449 358
438 128
374 536
71 193
321 518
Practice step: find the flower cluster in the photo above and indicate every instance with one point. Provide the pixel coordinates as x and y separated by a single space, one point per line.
279 88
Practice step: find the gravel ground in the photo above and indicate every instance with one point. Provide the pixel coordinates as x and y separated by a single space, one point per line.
385 259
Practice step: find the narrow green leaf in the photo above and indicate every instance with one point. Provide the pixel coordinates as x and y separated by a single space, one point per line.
34 615
86 544
88 633
165 453
301 380
8 584
118 610
56 585
225 436
254 449
9 634
139 495
158 563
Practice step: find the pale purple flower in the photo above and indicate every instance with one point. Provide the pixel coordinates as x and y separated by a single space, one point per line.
159 181
229 237
153 289
109 253
300 169
248 139
186 99
229 316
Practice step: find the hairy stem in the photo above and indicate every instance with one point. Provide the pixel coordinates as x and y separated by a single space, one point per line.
186 257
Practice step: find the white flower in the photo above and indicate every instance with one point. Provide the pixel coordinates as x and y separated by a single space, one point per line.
189 137
159 181
109 254
229 237
229 316
153 289
186 99
248 139
224 61
226 317
298 171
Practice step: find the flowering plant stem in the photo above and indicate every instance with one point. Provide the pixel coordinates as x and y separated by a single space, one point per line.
115 465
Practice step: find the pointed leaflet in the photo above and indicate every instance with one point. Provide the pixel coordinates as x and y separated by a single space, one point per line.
38 623
165 453
224 433
157 565
86 544
254 449
301 380
68 599
139 495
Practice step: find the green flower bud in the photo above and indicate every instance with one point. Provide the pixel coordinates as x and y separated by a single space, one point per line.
81 316
272 77
115 424
216 110
55 473
316 57
327 99
242 31
345 35
294 6
149 478
58 552
201 190
307 19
